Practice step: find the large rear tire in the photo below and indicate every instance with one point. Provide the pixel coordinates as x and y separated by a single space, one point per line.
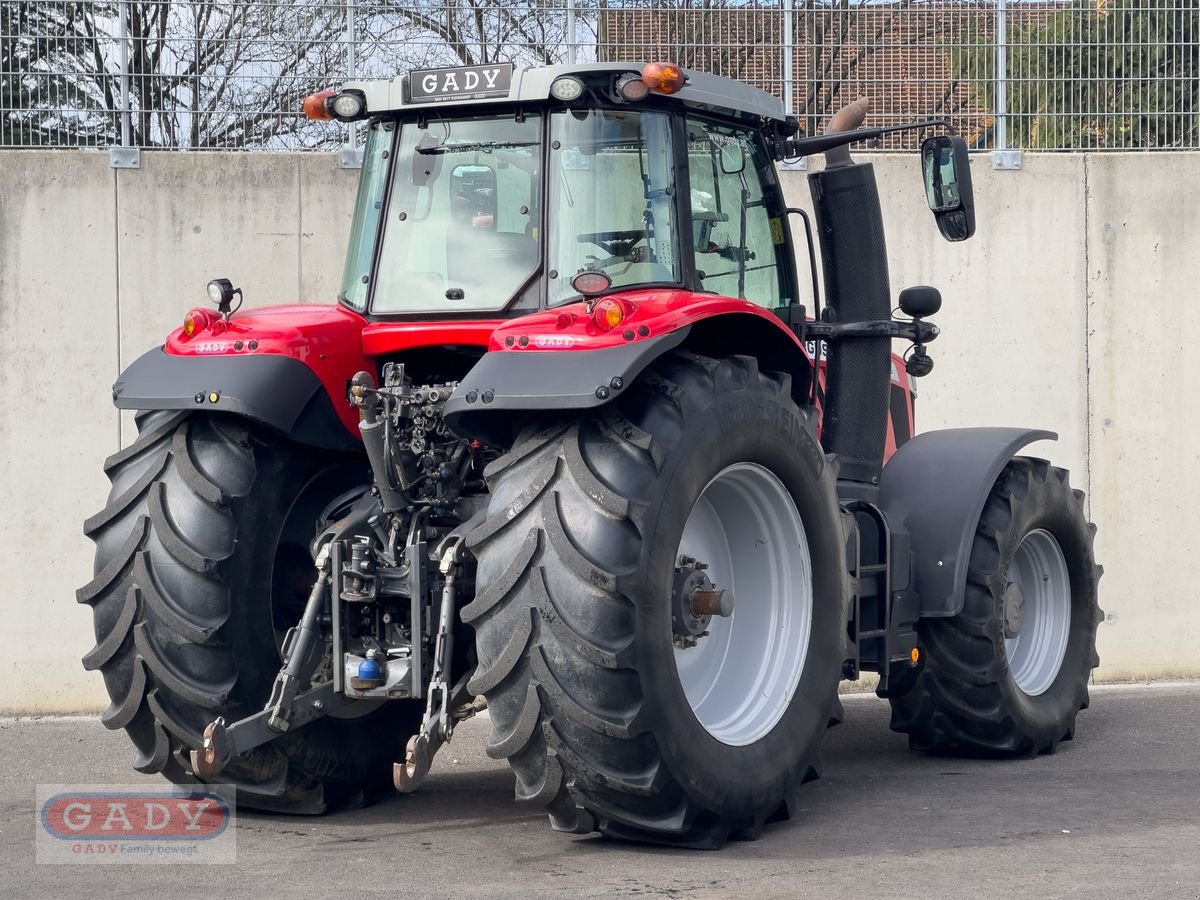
1009 674
201 564
603 716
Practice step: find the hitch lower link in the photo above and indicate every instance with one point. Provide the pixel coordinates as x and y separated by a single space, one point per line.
444 704
287 707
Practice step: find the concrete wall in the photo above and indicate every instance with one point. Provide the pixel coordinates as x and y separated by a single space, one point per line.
1071 309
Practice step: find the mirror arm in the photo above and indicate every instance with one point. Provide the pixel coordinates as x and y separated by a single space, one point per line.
821 143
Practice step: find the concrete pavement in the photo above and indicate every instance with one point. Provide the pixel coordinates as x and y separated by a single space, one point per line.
1116 813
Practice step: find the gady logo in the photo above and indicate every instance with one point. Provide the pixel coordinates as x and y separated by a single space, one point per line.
134 825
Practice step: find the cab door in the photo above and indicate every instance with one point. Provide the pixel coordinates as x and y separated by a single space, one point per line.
739 240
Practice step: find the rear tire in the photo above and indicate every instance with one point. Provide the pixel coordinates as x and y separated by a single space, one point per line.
201 561
977 692
573 621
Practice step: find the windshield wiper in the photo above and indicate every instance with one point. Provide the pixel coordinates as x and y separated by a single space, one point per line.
477 145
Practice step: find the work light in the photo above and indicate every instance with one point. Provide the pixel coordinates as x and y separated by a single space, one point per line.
566 88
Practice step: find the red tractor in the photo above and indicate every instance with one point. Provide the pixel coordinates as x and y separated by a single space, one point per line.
569 448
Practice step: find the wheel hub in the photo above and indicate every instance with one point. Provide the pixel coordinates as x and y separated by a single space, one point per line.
694 601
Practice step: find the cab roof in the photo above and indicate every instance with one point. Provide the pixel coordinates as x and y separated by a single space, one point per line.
711 93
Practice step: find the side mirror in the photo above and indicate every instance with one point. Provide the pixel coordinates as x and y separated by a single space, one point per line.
947 170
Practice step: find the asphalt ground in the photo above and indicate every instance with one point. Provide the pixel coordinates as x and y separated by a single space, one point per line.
1115 813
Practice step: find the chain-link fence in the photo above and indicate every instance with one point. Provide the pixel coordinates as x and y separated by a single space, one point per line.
231 74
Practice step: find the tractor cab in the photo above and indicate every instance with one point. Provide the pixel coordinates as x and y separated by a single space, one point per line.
493 201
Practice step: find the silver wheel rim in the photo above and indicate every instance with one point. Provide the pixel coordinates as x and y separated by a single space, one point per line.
1039 570
739 678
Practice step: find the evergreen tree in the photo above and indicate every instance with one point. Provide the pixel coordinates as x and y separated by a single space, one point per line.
1103 74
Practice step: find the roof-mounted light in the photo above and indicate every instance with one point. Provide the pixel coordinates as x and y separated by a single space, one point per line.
348 106
566 88
631 87
663 78
316 106
345 106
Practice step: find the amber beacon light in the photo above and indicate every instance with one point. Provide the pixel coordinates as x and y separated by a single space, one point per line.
663 78
316 105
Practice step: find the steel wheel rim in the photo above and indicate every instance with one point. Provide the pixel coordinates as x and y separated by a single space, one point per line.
739 679
1039 570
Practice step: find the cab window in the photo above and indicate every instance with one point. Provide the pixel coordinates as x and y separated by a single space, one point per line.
612 199
737 237
461 233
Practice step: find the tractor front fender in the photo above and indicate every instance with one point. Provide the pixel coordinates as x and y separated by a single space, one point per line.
502 384
280 392
935 486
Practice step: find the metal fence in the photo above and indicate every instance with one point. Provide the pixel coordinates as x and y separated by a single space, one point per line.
231 74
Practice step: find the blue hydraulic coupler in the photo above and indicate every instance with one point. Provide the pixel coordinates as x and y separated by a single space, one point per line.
369 670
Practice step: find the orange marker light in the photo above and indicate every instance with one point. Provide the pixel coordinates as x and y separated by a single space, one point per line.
665 78
316 105
608 314
195 320
915 655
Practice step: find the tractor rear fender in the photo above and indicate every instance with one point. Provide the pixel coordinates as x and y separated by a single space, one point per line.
285 367
529 370
503 384
280 392
935 486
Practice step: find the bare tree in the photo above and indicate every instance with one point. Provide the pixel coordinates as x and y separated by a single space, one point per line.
47 77
404 35
1122 74
233 73
200 74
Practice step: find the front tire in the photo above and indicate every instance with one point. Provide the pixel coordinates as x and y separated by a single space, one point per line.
201 564
573 620
1008 675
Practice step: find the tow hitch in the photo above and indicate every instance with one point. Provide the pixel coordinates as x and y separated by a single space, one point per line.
289 708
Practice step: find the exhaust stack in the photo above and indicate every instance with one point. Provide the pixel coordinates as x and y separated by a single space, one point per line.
854 257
